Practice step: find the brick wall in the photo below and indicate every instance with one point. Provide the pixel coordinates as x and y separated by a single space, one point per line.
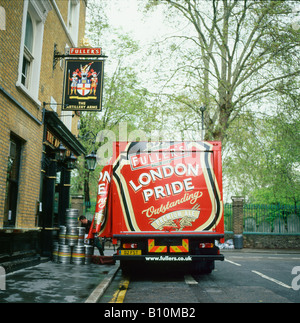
237 211
259 240
268 241
271 241
19 115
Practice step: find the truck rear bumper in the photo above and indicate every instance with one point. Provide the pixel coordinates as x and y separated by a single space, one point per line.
185 234
170 258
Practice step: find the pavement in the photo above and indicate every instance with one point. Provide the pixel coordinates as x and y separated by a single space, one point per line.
50 282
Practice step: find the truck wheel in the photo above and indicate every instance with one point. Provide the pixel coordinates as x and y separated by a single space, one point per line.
203 267
209 267
125 266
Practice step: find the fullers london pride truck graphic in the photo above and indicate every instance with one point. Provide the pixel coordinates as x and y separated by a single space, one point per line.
163 202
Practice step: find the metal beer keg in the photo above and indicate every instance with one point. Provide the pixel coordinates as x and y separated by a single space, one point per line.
62 234
64 254
72 236
89 251
81 232
78 255
72 217
55 252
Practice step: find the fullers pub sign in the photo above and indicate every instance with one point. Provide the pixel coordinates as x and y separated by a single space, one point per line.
83 85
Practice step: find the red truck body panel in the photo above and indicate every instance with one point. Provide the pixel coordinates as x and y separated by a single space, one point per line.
162 190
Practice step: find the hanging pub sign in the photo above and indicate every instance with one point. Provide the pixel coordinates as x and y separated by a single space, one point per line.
83 85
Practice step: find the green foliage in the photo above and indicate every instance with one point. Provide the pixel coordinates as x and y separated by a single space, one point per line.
262 160
227 55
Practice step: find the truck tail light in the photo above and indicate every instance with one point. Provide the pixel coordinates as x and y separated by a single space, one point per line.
206 245
129 245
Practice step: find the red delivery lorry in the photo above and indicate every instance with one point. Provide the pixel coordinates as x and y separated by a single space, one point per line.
162 202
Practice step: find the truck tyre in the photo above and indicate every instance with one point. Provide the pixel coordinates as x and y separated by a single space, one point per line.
209 267
125 267
203 267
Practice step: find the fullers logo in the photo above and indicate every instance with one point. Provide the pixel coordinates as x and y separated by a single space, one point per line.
146 159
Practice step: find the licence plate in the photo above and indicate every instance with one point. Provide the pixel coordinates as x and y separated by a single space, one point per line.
131 252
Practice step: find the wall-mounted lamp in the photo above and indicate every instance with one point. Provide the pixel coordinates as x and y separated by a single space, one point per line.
71 161
60 153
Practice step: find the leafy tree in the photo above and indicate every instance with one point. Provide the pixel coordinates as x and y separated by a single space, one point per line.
262 161
227 55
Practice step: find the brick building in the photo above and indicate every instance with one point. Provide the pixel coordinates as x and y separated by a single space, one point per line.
34 184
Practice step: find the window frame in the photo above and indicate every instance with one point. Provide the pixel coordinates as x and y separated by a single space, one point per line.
73 19
27 56
16 147
38 11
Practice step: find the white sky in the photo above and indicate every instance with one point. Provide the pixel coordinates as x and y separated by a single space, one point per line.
125 14
128 17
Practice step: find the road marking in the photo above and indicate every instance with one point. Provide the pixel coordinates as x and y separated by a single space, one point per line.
100 289
288 257
119 295
271 279
247 257
232 262
190 280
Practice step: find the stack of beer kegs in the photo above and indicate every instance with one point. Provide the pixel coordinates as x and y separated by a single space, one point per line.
70 246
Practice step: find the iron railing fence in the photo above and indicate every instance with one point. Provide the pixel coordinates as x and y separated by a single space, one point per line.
228 218
279 218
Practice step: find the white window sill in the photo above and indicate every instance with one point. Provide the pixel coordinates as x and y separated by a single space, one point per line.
35 100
